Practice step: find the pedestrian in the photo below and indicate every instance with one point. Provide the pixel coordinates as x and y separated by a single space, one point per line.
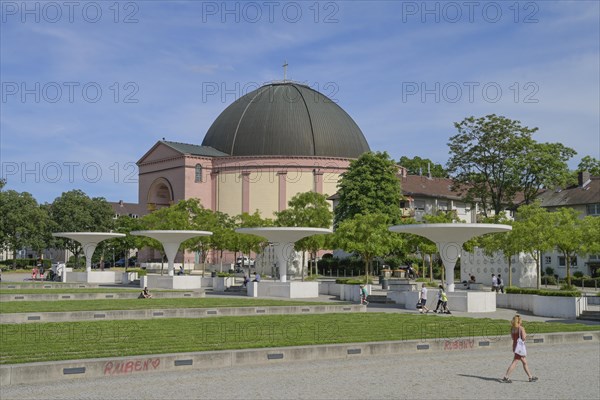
145 294
494 283
518 332
363 295
500 284
246 280
442 303
256 277
423 300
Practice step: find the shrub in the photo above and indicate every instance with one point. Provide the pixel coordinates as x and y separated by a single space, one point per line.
578 274
586 281
224 275
542 292
24 263
549 271
548 280
313 277
140 271
359 280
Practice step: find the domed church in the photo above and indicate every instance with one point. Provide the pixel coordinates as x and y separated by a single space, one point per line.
277 141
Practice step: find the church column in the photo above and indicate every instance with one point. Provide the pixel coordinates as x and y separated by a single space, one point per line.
318 181
214 179
246 191
282 190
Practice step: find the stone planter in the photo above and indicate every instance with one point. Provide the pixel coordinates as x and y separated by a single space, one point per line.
129 277
543 306
220 284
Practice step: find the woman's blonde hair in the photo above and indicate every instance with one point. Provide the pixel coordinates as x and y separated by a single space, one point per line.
516 321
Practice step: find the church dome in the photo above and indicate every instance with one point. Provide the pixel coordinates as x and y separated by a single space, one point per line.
286 119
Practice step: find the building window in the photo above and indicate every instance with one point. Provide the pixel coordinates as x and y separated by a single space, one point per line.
593 209
562 261
134 216
548 260
198 173
420 205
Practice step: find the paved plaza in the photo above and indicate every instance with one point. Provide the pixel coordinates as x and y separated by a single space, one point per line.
568 371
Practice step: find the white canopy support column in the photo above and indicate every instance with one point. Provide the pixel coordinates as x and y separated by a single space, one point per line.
449 239
89 241
171 240
283 239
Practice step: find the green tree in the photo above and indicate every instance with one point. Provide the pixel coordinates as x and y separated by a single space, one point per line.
493 158
24 223
506 242
250 243
309 209
543 165
223 235
74 211
590 164
422 166
125 224
532 228
370 185
368 236
572 235
184 215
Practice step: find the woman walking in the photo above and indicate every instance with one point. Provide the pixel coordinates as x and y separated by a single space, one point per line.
517 331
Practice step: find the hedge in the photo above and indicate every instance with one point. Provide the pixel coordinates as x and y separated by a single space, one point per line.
352 281
25 263
140 271
541 292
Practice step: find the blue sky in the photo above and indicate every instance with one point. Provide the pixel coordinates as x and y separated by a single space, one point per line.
89 87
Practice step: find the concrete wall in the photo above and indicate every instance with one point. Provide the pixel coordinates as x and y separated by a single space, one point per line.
48 296
457 301
543 306
94 277
175 282
126 366
329 288
18 318
220 284
289 290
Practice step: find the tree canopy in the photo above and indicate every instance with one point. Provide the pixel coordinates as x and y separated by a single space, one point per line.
493 158
24 223
370 185
422 166
74 211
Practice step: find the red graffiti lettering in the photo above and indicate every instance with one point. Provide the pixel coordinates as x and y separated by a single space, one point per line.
458 344
108 367
129 367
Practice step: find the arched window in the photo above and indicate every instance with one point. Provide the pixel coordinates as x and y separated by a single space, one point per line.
198 173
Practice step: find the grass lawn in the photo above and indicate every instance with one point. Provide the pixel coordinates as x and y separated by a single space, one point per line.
143 304
21 343
76 290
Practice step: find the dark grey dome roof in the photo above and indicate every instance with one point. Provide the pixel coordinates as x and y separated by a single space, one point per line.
286 119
